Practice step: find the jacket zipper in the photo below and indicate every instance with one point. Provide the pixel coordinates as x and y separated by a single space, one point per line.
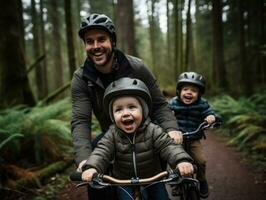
132 143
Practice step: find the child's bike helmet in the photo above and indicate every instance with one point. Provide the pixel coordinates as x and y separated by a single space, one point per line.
127 87
191 78
99 21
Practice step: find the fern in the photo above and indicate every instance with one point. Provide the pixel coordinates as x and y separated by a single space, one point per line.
46 131
245 119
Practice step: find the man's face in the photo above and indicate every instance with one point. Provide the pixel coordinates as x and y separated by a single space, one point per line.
99 49
127 112
189 94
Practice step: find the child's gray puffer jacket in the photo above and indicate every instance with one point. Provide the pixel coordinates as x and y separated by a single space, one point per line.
142 149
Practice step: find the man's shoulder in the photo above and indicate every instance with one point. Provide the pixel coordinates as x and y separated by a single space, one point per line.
79 71
135 61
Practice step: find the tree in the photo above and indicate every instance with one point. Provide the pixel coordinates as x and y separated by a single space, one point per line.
38 45
57 66
14 87
178 38
189 51
125 30
70 40
151 13
43 48
219 72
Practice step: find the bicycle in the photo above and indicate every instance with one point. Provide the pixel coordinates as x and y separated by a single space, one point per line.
188 186
196 134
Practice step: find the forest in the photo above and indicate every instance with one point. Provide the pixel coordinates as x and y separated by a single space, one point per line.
40 49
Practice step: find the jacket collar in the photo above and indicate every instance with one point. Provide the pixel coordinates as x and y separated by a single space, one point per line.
121 67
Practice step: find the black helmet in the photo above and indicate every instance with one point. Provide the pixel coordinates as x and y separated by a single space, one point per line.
127 86
191 78
97 21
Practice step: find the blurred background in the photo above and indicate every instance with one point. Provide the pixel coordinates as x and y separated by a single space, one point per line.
225 40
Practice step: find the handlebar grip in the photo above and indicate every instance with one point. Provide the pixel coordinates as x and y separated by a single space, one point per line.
76 176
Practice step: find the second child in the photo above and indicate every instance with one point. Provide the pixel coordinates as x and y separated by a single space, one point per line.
191 110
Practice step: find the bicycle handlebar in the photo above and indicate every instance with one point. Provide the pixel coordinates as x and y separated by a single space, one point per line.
101 180
203 126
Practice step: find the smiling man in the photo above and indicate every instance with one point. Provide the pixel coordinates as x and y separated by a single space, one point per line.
103 65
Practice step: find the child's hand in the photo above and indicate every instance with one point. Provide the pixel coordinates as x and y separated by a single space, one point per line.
210 119
185 168
176 136
87 174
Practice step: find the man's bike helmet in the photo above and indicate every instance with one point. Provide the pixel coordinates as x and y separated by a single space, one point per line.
97 21
127 87
191 78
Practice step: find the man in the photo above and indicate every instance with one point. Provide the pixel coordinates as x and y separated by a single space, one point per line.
103 65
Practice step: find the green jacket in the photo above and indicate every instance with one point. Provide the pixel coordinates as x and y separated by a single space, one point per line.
142 150
87 91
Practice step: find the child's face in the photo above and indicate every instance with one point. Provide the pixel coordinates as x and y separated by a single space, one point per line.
127 112
189 94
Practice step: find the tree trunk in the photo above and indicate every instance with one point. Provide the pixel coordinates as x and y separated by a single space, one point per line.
176 39
169 57
43 48
219 72
242 48
152 34
57 67
125 28
36 49
188 38
14 83
70 41
180 37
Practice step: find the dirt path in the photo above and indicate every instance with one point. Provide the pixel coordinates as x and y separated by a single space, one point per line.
229 177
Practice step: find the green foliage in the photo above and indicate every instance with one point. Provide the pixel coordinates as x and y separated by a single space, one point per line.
11 137
45 131
247 118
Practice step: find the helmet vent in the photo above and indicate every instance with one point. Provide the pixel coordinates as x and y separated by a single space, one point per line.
101 20
135 82
94 16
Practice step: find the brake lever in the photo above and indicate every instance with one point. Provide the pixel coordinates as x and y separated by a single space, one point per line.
96 182
174 177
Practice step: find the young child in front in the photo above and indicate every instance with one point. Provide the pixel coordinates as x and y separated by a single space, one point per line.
133 142
191 110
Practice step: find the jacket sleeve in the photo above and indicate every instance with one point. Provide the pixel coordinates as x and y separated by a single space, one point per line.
209 111
103 154
161 113
81 118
